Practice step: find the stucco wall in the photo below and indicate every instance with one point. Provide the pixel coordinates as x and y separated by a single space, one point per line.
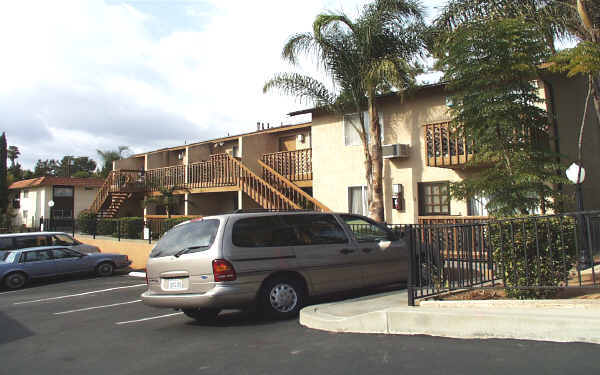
206 204
136 250
83 199
132 163
198 153
337 167
254 147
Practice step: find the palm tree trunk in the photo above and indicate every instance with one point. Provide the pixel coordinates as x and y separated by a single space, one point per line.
376 207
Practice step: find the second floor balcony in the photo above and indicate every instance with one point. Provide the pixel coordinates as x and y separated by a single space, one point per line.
445 146
295 165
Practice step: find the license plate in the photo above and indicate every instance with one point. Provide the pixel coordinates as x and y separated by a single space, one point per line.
174 284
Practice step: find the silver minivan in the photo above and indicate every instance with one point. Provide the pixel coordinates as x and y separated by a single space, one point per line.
271 260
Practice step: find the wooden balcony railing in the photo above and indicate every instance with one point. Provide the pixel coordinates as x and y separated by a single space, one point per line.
122 181
293 165
169 177
218 171
446 147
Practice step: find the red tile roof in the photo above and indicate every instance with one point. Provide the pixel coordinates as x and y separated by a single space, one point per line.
52 181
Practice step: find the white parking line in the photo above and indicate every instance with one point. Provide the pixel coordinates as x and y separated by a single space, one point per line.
80 294
150 318
97 307
137 274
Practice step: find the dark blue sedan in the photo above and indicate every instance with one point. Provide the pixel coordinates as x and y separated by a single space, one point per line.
19 266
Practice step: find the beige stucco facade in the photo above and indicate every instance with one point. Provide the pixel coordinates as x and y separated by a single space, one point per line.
337 167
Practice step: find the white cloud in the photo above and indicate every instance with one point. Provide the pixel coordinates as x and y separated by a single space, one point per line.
77 76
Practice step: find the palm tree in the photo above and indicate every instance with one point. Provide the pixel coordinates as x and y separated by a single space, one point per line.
108 157
13 154
364 57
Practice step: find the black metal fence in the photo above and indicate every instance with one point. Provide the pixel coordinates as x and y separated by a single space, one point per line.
530 257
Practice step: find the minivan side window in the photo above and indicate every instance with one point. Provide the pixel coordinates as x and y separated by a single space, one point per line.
24 242
263 231
317 229
366 231
6 243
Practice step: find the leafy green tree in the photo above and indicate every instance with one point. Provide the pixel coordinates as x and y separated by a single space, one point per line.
71 166
108 157
44 168
363 57
3 176
13 153
491 66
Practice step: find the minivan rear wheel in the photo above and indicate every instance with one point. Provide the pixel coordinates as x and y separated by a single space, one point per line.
202 315
282 298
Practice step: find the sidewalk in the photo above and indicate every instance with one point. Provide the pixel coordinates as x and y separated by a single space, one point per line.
389 313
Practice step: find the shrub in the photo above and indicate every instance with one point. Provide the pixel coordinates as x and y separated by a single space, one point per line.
534 255
161 226
85 221
131 227
107 227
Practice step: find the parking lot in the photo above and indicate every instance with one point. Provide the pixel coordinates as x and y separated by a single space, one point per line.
99 326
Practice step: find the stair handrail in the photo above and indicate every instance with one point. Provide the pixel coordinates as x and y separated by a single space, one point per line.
102 193
247 170
295 187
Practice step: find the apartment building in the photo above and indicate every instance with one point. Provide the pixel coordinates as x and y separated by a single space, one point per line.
320 165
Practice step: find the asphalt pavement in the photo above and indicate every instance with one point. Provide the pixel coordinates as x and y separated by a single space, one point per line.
98 326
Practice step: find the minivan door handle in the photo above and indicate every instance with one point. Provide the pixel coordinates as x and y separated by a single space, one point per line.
346 251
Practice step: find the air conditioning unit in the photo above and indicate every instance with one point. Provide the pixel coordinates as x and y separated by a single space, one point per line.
395 151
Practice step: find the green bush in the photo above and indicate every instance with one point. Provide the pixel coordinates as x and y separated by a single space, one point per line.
161 226
534 256
85 221
107 227
131 227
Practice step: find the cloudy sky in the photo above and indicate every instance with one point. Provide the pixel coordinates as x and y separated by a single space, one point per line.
82 75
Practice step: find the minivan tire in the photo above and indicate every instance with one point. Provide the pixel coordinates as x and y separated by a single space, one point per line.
202 315
15 280
105 269
282 298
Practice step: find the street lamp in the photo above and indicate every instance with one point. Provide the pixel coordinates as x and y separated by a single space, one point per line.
576 174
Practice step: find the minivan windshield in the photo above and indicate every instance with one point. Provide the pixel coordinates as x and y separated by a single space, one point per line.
191 237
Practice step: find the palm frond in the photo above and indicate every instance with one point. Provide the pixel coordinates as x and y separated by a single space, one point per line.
303 87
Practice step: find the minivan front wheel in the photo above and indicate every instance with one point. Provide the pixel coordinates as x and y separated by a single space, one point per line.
282 298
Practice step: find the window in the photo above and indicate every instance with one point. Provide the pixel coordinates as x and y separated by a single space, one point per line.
357 200
316 229
63 191
32 241
6 244
434 198
196 236
63 254
63 240
36 256
365 230
263 231
352 127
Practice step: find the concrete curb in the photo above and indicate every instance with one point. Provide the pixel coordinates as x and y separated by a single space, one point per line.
542 323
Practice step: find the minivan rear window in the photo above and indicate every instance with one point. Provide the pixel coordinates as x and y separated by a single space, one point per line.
191 237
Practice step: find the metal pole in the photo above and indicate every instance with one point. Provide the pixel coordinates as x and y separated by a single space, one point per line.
411 268
579 197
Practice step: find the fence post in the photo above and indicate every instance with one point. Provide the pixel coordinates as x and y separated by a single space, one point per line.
411 266
118 230
95 227
584 259
149 231
73 226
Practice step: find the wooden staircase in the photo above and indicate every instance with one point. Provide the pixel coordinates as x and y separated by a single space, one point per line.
116 202
117 188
